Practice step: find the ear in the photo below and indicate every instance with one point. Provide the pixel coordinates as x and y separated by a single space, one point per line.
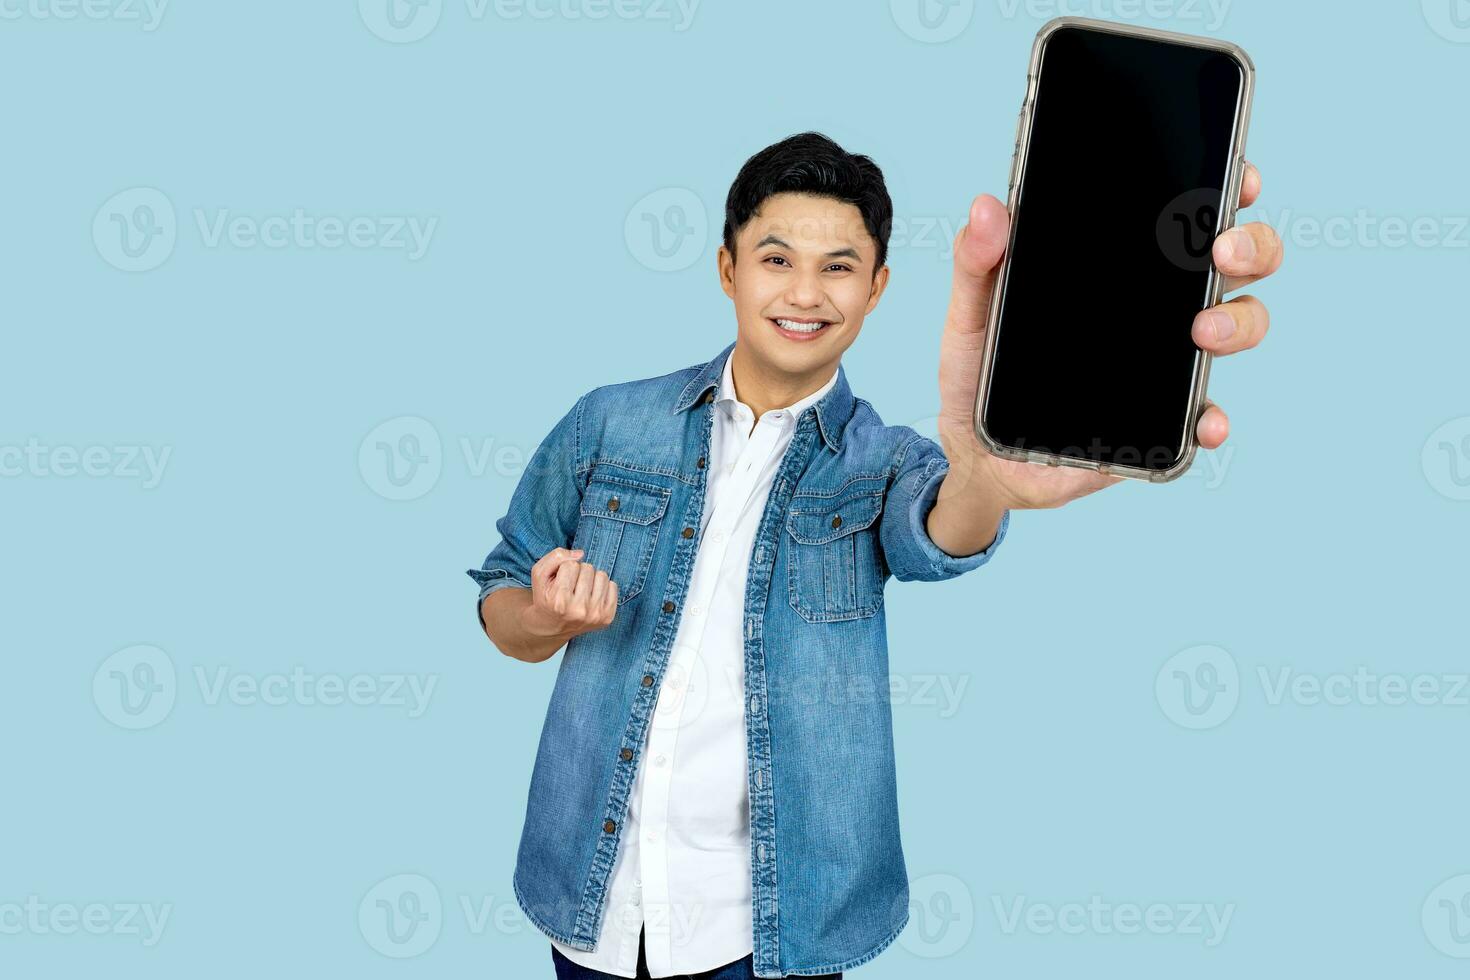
880 283
726 261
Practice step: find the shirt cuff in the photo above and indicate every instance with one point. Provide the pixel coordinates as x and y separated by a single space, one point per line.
942 564
492 580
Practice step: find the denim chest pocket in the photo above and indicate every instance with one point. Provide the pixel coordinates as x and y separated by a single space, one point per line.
618 529
833 567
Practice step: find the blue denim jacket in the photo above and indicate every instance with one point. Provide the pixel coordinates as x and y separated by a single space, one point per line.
846 511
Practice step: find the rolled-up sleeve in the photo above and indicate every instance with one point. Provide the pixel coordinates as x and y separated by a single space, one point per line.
911 554
543 511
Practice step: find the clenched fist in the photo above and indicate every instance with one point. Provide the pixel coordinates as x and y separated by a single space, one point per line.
569 597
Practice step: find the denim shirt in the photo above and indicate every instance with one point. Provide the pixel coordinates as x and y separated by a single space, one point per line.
622 476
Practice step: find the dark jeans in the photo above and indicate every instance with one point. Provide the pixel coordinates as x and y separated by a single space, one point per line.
739 970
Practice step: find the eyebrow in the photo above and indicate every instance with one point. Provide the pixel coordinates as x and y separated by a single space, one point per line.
841 253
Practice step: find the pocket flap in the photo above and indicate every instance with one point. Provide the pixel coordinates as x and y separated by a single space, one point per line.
816 520
637 503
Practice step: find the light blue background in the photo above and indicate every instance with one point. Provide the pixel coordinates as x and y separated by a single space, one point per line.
1330 535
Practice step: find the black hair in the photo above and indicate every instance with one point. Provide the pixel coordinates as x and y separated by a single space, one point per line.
811 163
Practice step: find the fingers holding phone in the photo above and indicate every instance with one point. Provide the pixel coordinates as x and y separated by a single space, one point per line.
1247 254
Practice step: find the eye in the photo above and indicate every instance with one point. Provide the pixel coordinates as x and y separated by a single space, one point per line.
777 258
840 267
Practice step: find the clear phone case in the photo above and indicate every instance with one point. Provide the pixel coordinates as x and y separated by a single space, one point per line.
1235 176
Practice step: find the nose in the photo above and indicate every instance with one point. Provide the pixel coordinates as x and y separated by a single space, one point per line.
805 291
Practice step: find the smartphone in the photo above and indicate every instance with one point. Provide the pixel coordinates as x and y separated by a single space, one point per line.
1130 152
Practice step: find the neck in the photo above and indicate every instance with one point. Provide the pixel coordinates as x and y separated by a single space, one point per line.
764 390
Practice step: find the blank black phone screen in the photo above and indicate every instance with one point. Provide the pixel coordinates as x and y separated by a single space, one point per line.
1120 200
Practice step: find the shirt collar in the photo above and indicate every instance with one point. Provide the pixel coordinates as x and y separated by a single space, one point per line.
833 404
725 394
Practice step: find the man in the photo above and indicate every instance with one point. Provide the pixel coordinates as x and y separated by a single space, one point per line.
712 546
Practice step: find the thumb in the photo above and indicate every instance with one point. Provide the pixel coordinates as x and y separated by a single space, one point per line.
978 249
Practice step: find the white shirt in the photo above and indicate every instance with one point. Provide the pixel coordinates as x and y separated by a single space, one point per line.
682 873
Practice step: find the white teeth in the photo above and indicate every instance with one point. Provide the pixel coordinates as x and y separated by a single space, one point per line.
795 327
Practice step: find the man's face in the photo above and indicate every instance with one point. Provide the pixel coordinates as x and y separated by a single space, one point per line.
802 279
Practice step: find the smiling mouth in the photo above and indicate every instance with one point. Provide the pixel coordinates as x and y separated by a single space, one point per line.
800 328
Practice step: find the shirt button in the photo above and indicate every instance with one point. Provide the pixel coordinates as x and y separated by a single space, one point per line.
660 760
688 532
626 754
709 397
837 521
613 504
696 610
647 680
719 536
609 827
668 606
699 462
